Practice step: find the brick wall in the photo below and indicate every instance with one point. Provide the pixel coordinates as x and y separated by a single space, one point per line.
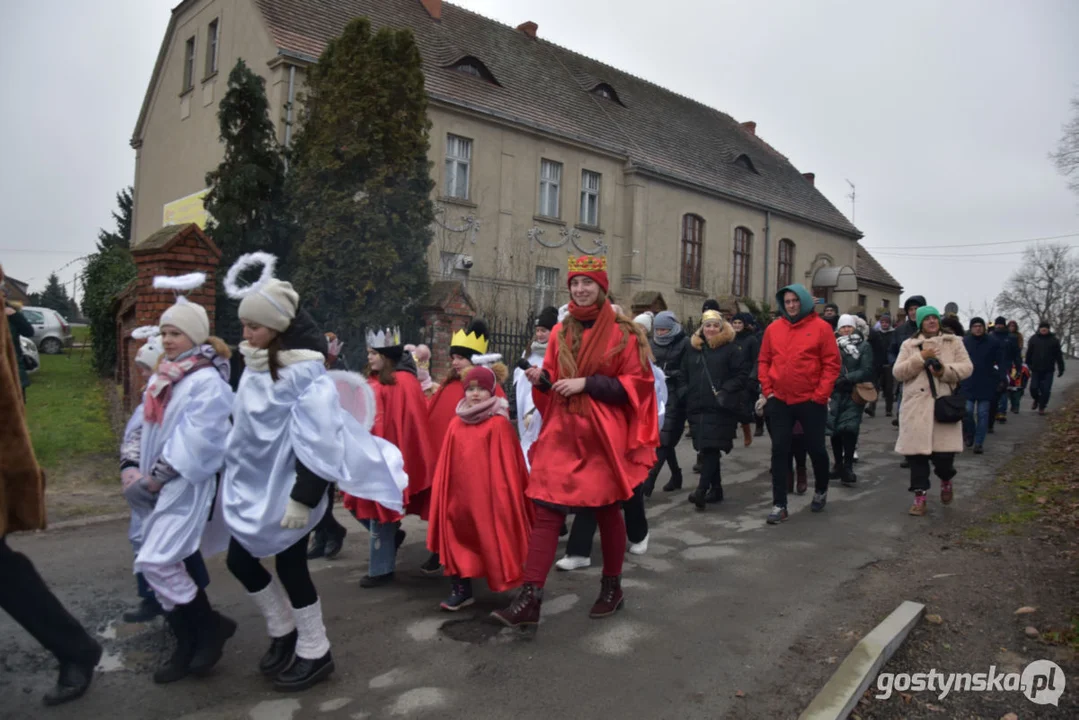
451 310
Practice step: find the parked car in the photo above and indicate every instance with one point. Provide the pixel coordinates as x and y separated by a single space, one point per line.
30 359
51 332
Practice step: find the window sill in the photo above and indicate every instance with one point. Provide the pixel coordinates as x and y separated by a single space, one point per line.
589 228
549 220
209 77
187 91
463 202
690 291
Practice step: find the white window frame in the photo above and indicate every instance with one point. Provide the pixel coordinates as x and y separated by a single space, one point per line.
189 62
213 44
550 187
591 182
458 160
546 292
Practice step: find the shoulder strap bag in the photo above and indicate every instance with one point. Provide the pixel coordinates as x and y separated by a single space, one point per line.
947 409
723 398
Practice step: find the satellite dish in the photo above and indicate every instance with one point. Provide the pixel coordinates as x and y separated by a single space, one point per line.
951 309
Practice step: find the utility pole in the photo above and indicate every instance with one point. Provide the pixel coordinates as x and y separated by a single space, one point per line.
852 196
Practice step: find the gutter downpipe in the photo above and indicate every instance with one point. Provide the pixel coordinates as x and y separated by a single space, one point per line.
288 108
767 248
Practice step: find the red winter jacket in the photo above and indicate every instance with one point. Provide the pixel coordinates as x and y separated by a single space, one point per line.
799 362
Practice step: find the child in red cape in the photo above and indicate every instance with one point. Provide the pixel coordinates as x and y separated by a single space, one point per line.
596 394
402 420
480 517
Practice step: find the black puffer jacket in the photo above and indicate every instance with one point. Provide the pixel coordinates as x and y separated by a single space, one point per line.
714 417
669 359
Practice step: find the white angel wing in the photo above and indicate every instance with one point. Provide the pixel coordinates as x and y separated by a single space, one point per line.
357 397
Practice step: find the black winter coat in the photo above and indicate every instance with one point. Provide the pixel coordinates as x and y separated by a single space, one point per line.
901 334
1011 353
881 342
714 418
1043 353
987 355
750 342
669 359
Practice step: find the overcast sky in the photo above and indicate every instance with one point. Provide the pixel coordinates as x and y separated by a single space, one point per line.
941 113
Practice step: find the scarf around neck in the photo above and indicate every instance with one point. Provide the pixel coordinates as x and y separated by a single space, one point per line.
851 344
481 411
592 351
258 359
539 348
169 373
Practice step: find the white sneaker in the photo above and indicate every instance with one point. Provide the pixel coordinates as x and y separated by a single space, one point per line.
639 548
571 562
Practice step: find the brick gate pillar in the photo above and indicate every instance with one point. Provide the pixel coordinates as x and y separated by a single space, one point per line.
447 310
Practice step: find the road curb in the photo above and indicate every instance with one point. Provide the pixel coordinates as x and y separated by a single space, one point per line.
83 522
844 689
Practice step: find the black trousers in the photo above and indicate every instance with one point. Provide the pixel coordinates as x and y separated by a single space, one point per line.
843 445
291 569
27 599
666 455
781 418
885 388
583 530
329 523
943 465
710 472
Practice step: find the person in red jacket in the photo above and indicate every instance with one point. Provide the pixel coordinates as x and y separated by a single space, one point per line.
797 367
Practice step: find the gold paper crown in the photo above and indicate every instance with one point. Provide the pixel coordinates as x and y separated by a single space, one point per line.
472 341
588 263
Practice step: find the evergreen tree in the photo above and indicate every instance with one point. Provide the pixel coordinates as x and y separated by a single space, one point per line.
246 201
55 296
360 182
107 272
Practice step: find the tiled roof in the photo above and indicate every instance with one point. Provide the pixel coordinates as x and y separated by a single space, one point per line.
547 87
867 268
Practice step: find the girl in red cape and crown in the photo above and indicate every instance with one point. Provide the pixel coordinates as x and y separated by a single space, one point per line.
480 517
596 394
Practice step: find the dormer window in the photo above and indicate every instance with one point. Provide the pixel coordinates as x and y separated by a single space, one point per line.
472 66
745 163
606 92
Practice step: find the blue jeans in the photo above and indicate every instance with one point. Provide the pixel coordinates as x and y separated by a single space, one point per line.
383 547
976 422
1041 386
1002 404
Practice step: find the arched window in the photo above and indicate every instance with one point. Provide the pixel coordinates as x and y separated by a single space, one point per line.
743 246
785 271
474 66
692 244
607 92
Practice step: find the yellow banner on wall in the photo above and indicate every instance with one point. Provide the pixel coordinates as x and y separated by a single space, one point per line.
187 210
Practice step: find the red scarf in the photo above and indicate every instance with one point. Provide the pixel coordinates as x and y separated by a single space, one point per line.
593 350
159 390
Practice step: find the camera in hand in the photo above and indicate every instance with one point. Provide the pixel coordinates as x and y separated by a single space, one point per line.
933 364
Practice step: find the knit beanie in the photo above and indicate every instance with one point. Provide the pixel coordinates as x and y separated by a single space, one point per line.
272 305
1044 324
747 319
977 321
548 318
1001 321
189 318
710 304
482 376
645 321
150 353
832 306
924 312
845 321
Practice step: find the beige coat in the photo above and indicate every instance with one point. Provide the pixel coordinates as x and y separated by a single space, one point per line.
919 432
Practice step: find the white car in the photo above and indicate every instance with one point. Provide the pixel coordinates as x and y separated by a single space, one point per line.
30 358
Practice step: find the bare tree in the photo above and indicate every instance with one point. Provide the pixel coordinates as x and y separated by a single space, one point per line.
1046 287
1066 156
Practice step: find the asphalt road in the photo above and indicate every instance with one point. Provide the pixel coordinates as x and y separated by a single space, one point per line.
711 610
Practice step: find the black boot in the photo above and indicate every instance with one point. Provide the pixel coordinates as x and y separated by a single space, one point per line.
847 476
73 681
318 545
432 566
210 630
178 665
335 540
714 494
760 429
699 497
147 610
304 673
836 472
279 656
675 483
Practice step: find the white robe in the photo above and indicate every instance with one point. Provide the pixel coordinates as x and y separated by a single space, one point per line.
529 421
138 514
661 392
191 439
298 417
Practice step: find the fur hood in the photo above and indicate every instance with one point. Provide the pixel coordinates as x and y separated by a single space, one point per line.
501 372
726 335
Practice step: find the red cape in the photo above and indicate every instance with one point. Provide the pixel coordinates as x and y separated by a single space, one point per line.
442 411
596 459
480 517
402 420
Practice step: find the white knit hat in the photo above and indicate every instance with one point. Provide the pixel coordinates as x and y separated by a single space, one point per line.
151 351
268 301
188 317
645 321
845 320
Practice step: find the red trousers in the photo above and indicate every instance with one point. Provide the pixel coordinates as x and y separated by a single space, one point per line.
543 543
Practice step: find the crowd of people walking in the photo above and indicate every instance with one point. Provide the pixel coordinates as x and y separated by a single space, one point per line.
245 452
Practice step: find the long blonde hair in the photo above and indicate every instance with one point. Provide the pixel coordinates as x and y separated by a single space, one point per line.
572 330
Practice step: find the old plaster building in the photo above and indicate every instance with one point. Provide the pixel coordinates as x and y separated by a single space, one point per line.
537 152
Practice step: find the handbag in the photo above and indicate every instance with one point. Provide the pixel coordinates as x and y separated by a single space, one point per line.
723 399
947 409
864 393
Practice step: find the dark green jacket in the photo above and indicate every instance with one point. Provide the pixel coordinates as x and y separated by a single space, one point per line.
20 326
845 415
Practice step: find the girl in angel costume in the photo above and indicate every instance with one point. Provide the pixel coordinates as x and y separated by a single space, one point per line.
290 437
529 421
171 478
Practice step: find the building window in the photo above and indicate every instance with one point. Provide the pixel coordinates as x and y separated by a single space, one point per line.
785 272
458 163
550 182
743 245
863 301
692 244
189 64
607 92
590 198
211 48
822 293
469 65
886 304
546 288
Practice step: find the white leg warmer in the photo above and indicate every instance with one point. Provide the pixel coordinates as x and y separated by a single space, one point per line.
171 583
273 602
312 642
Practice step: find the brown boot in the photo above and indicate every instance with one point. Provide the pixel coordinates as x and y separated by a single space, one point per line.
610 597
803 481
524 611
747 434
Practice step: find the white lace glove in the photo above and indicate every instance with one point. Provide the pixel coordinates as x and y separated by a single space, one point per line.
296 515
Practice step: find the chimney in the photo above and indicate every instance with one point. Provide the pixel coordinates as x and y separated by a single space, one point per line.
750 127
529 28
433 8
811 177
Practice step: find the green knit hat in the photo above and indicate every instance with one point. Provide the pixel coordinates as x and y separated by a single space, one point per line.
924 312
